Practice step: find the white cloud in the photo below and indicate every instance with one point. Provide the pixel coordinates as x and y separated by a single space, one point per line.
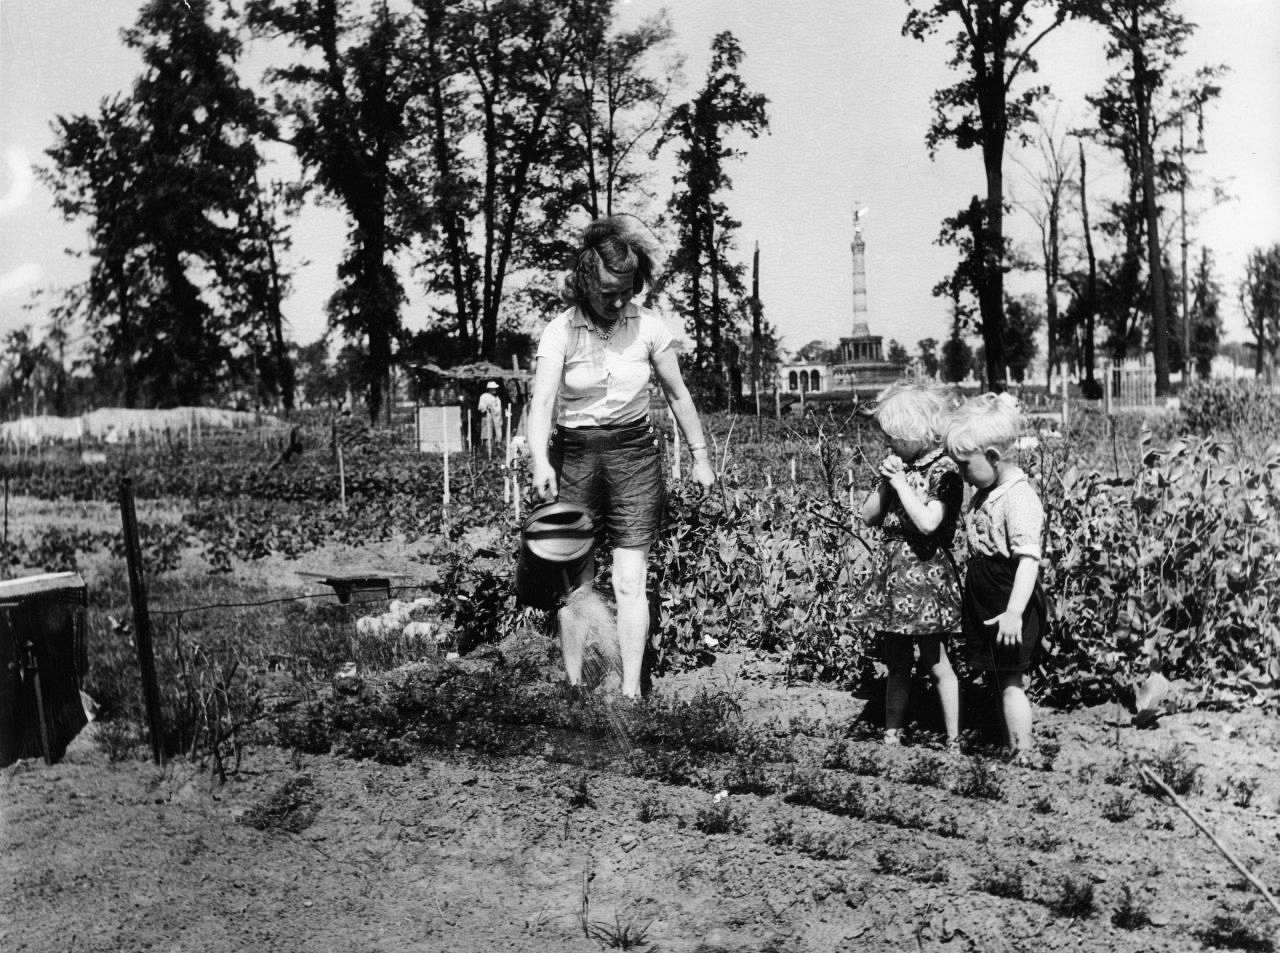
20 278
21 180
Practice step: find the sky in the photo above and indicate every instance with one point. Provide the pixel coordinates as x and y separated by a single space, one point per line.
849 108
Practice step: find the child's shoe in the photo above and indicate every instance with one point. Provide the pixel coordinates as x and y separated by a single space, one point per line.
893 737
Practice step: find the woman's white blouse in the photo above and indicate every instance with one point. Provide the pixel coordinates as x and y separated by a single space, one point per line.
1006 520
604 382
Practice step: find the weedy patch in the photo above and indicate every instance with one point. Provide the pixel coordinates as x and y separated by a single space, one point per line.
617 935
1042 840
1119 807
580 797
1074 896
1042 805
980 779
890 861
814 789
669 767
650 809
719 818
1004 883
1239 791
1173 766
290 808
923 769
1131 912
1238 930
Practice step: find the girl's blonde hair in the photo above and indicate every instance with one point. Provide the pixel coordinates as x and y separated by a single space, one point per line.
913 411
988 420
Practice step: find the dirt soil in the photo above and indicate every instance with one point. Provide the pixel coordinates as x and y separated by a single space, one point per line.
466 853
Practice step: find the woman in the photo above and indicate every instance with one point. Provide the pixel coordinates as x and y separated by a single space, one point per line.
593 369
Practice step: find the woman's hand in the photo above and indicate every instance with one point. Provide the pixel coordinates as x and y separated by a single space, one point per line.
702 471
544 480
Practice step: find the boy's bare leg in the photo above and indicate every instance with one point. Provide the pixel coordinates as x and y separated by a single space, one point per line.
934 654
1017 710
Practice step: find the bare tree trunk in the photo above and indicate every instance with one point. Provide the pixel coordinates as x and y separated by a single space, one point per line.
1091 288
1155 267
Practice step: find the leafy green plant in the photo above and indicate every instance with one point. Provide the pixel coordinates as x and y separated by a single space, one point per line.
1131 912
1119 807
980 779
1238 929
1073 897
719 818
1174 766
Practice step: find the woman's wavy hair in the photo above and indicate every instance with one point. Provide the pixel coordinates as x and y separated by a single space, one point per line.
623 245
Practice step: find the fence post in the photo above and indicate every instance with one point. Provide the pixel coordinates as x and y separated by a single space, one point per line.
342 480
141 618
1064 402
1107 399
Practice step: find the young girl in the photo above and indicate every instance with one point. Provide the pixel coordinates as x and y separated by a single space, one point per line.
916 590
1003 607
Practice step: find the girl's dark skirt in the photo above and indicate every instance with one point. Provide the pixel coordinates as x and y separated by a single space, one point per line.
988 583
616 473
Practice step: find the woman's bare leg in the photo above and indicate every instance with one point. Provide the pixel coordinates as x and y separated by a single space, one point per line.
572 638
630 569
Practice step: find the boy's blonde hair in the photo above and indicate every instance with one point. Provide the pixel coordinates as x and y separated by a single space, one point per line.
988 420
913 411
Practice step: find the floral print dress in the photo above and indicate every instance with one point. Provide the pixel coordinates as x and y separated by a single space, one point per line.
916 587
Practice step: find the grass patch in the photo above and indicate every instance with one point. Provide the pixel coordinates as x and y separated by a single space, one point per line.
1173 766
1237 930
290 808
1004 883
719 818
1118 808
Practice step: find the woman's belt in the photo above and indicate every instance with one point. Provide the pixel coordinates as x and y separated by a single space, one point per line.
603 436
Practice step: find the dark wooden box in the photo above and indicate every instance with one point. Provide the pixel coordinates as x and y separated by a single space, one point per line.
42 658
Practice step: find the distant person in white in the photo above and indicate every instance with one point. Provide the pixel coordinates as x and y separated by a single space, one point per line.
490 407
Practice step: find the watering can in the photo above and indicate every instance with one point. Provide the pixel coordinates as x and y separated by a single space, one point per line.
556 543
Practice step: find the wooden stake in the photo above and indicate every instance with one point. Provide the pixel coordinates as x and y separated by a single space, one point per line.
444 435
342 480
1064 402
793 469
1235 862
141 618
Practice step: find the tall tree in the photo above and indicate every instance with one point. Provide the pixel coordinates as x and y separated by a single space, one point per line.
343 105
1206 321
1148 37
1086 295
1260 302
993 49
928 348
701 129
168 179
615 103
1049 182
1023 319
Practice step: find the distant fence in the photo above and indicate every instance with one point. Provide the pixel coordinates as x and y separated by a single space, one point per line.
1128 384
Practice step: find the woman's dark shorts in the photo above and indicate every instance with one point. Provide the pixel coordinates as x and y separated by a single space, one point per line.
616 473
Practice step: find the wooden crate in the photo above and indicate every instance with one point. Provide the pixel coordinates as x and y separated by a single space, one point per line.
42 659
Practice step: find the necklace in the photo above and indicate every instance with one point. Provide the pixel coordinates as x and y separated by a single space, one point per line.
603 331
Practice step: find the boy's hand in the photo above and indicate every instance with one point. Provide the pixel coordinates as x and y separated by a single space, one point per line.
1008 628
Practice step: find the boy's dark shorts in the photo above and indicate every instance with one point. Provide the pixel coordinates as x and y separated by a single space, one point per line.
616 473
